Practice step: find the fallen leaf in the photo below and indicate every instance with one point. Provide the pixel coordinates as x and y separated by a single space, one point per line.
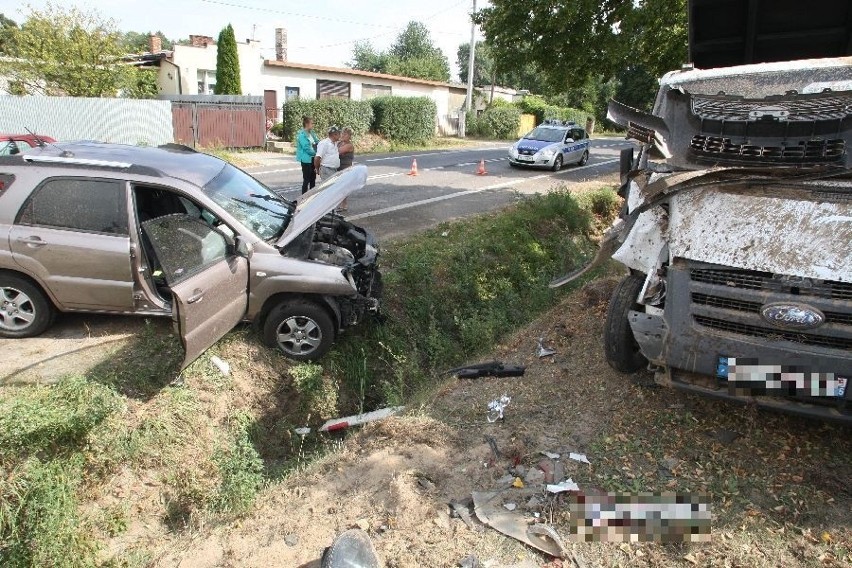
825 537
518 483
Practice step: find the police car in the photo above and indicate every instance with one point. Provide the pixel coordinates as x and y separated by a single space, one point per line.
551 144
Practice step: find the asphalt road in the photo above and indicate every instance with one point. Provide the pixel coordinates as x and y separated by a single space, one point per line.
394 204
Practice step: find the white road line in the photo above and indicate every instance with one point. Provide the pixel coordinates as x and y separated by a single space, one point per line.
275 171
468 192
482 149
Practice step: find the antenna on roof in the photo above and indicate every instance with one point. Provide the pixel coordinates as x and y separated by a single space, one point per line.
42 143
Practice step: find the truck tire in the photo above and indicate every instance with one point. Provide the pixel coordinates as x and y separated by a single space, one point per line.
24 309
300 329
621 349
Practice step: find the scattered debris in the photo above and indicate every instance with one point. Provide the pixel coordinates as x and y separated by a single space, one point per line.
551 455
518 483
461 509
510 506
223 367
544 351
534 476
493 443
567 485
291 540
490 369
515 525
496 407
342 423
470 561
304 431
579 457
558 472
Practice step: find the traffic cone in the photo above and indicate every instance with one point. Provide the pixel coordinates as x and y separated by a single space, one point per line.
413 171
481 170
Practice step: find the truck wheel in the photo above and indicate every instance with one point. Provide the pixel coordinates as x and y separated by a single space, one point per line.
24 309
621 349
301 330
557 163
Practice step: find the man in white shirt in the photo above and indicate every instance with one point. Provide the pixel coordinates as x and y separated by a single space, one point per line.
327 160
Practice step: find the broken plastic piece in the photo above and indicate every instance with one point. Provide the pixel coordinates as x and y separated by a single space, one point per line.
544 351
567 485
579 457
518 483
496 407
302 431
223 367
343 423
490 369
487 508
510 506
551 455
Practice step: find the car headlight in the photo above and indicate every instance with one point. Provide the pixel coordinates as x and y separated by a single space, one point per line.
513 150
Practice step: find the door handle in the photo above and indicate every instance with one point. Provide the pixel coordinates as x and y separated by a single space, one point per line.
32 241
195 298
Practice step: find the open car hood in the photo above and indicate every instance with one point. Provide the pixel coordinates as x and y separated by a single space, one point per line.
318 202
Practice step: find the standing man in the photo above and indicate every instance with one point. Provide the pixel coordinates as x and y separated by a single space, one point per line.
327 159
306 144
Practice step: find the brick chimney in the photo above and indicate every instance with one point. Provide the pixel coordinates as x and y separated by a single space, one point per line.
155 43
201 41
280 44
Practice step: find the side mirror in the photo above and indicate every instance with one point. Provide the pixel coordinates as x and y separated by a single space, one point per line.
242 248
569 140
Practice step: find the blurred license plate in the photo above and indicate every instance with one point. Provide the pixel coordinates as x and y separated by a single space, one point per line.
525 158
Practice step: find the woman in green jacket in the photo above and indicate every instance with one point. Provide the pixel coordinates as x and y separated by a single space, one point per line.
306 149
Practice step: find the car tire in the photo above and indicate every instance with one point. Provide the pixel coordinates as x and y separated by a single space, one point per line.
25 311
584 159
620 346
557 163
301 330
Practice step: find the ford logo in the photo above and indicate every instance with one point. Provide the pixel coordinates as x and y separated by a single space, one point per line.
792 316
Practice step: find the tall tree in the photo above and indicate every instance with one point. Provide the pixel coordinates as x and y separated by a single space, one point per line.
6 30
227 64
137 42
412 55
66 51
483 63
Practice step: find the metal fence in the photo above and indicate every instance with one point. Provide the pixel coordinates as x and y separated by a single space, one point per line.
218 120
123 121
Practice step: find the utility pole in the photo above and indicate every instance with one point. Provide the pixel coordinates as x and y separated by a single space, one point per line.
469 102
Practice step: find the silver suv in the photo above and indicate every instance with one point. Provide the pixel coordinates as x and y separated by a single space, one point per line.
168 231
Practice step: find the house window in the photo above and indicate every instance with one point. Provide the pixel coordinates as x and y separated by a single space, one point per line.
371 91
206 82
291 93
332 89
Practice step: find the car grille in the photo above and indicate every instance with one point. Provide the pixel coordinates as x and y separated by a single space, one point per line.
804 109
526 152
804 151
717 304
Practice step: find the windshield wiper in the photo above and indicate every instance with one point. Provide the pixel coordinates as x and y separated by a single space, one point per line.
269 198
258 206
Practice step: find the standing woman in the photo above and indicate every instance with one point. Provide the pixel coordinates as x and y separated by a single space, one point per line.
306 149
346 149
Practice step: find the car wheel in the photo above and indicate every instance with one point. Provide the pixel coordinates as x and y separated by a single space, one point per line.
620 346
584 159
557 163
513 165
24 309
301 330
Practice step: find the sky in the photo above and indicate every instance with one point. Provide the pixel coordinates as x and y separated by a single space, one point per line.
321 32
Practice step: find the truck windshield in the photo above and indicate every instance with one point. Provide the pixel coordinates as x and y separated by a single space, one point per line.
250 202
543 134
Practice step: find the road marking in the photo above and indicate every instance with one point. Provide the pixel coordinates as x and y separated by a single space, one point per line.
482 149
468 192
275 171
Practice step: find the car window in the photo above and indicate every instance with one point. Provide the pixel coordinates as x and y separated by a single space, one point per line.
89 205
10 147
184 245
578 134
545 134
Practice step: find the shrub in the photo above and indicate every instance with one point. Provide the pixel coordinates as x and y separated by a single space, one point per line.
357 115
536 105
278 129
471 122
499 122
404 119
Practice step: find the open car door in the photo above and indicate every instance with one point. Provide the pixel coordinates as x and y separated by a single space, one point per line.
208 282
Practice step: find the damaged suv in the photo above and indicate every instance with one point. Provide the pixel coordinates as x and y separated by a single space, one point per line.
169 231
737 233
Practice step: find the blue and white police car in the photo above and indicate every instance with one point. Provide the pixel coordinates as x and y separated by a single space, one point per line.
551 144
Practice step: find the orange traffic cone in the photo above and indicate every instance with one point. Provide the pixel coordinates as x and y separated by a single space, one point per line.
481 170
413 171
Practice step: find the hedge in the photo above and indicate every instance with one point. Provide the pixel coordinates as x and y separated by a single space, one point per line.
357 115
404 119
536 105
500 122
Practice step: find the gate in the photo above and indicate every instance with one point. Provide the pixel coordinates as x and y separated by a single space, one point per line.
210 121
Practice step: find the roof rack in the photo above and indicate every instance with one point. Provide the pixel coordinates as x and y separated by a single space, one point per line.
76 161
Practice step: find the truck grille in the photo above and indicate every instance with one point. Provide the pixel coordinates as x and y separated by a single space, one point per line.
802 152
754 307
756 331
754 280
804 109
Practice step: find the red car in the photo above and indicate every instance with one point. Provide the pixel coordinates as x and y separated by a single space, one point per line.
16 143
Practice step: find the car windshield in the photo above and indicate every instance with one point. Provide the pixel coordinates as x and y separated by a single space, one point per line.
250 202
544 134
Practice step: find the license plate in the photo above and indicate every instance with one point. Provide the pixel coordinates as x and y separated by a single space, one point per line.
840 389
525 158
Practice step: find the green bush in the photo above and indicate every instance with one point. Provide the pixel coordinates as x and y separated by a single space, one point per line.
536 105
500 122
278 129
404 119
357 115
471 123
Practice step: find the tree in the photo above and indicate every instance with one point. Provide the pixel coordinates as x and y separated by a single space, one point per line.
66 51
227 64
412 55
603 38
137 42
483 63
6 30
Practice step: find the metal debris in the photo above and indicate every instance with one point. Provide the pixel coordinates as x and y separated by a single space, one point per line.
567 485
496 408
579 457
514 524
489 369
544 351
